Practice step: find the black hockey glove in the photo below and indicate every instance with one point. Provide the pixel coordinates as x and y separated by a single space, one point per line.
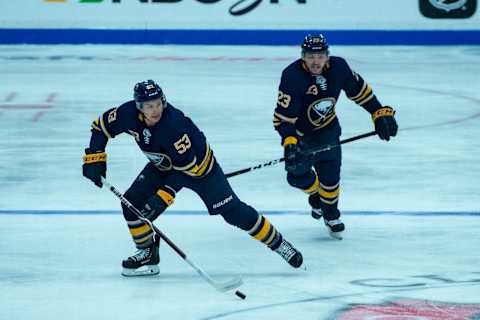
95 166
156 204
296 162
385 124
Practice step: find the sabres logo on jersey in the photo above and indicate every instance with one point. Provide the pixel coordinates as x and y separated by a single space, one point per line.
160 160
321 111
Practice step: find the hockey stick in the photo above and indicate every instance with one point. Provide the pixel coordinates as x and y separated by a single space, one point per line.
310 152
219 286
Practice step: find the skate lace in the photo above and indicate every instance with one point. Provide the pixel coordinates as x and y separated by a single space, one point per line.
141 254
286 250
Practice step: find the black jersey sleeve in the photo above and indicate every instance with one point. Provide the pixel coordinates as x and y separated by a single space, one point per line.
358 90
110 124
288 106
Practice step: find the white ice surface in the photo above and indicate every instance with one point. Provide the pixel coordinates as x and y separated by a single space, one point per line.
230 92
68 267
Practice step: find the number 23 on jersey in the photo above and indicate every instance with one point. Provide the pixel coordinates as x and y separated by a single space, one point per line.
283 99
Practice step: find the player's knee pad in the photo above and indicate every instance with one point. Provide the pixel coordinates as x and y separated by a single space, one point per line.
308 182
241 215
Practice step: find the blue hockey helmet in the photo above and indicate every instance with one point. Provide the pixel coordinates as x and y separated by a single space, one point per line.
146 91
315 43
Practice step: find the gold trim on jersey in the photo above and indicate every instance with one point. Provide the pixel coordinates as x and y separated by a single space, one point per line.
188 166
104 129
359 93
197 170
285 118
276 121
206 161
95 125
365 95
368 99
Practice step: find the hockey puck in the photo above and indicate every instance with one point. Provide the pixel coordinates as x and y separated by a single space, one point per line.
240 294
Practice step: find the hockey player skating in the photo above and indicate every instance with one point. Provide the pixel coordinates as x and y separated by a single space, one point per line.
180 156
305 118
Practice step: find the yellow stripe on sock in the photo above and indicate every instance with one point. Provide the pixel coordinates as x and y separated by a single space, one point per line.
140 230
263 232
272 236
331 194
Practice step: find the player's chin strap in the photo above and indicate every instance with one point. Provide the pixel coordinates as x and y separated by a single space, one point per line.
310 152
219 286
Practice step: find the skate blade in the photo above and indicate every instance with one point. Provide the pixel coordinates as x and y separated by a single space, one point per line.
151 270
336 235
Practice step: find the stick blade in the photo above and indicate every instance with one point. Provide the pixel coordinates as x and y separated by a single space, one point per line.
229 285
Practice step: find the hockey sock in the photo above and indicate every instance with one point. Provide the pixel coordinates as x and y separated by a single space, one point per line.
142 233
265 232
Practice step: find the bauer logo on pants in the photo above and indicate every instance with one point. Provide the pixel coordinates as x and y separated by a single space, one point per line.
448 9
223 202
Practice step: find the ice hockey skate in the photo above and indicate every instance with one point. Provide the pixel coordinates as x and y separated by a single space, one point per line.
335 228
314 201
288 252
143 263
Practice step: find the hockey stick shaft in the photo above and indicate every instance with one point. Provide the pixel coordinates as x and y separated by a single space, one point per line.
308 152
234 283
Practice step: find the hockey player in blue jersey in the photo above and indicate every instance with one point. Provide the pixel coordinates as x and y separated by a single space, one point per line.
305 118
179 156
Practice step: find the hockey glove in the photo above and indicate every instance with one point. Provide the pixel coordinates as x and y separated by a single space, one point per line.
385 124
95 166
296 162
156 204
